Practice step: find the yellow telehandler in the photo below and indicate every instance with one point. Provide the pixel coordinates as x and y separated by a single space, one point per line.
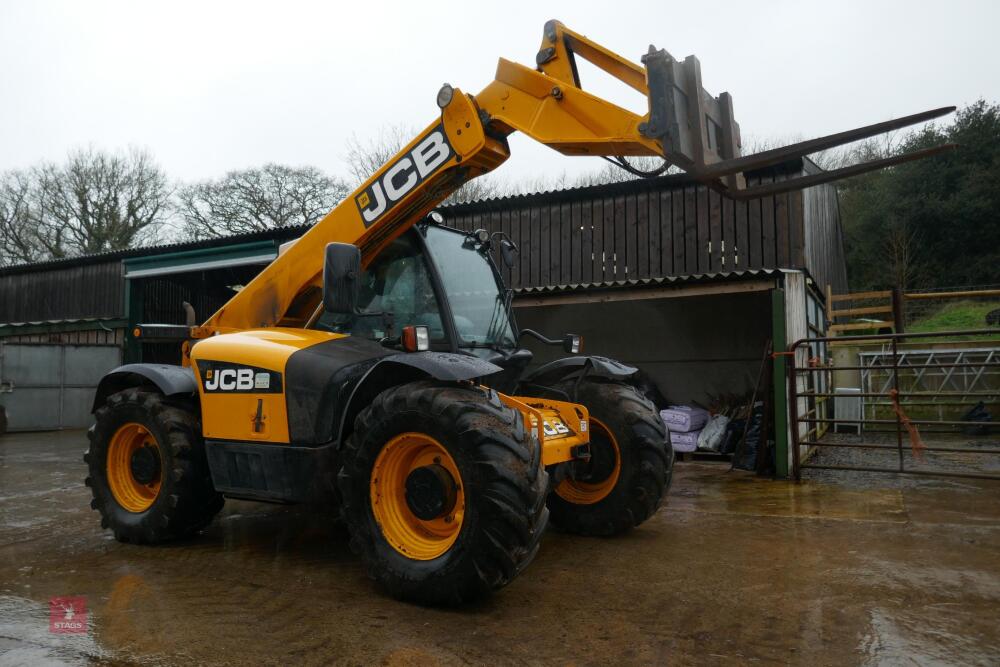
376 361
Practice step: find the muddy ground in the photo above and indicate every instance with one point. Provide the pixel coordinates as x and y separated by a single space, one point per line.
734 570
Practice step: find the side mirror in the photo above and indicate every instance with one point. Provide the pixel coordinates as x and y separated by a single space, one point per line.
341 270
508 252
573 344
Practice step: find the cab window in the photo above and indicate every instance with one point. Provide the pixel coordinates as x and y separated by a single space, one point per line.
396 291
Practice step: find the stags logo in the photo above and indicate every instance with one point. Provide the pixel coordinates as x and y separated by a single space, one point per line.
403 175
68 615
220 376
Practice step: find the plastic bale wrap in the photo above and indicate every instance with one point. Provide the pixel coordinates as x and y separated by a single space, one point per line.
711 436
731 438
748 458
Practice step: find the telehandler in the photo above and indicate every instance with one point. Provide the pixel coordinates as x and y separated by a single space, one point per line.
376 361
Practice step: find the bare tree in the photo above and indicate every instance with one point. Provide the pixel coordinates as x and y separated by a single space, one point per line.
899 247
613 173
254 200
364 158
97 201
18 242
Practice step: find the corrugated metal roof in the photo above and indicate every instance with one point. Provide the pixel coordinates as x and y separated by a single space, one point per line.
100 321
727 276
279 233
79 320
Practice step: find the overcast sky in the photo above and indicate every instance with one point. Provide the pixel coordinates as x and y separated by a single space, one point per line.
213 86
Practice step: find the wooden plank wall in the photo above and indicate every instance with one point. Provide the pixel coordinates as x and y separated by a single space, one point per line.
90 290
824 242
614 233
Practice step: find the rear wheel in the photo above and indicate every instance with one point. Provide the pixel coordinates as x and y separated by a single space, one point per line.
630 467
148 474
443 492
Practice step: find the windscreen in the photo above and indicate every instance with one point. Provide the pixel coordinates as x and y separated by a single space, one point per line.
477 302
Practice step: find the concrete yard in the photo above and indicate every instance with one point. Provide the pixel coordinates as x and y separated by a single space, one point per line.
733 570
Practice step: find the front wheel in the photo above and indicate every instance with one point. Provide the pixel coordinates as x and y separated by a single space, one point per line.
630 467
148 473
443 492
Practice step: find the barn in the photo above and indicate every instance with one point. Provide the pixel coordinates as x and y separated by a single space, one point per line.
661 273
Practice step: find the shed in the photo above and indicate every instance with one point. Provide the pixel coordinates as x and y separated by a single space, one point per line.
662 273
64 323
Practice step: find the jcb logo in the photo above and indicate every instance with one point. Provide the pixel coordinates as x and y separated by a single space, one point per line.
230 379
403 175
221 376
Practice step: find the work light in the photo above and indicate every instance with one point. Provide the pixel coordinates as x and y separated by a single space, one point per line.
416 339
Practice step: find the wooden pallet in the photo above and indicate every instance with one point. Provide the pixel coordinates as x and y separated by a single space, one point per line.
702 456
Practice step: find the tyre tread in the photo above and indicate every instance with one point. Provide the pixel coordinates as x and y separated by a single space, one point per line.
511 508
188 501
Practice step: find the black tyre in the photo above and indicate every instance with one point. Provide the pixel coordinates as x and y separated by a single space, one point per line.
443 492
148 473
630 468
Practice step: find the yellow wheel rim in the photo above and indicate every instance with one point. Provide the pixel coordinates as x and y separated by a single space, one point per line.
588 493
132 494
408 534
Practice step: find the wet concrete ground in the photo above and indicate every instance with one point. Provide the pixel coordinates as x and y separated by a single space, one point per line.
734 570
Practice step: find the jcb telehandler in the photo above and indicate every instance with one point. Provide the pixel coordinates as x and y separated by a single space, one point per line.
376 360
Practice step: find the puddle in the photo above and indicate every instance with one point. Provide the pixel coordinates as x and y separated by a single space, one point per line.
25 638
710 489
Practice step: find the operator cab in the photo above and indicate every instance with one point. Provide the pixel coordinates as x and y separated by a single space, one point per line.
446 280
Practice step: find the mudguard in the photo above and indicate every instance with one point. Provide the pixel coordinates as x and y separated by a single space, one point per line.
401 368
445 365
169 379
328 384
594 366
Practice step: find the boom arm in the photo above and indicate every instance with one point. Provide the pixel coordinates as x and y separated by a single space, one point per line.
685 126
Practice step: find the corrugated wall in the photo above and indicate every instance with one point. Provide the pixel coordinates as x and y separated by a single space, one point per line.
162 299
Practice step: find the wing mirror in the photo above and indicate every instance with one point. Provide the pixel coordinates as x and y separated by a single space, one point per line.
341 273
571 343
508 252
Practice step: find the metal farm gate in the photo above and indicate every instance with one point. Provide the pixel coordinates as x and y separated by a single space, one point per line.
922 410
48 387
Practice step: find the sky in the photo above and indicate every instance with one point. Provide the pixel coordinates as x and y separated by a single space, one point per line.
211 86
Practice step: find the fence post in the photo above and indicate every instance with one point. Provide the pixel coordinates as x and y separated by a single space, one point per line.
829 306
898 319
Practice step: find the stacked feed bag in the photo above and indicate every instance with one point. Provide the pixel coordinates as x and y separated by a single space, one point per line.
684 423
684 418
684 442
